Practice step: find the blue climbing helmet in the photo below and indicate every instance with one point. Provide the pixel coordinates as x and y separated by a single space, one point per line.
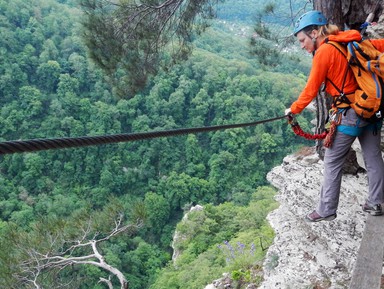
310 18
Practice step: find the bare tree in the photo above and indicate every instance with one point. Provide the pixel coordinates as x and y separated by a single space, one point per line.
84 250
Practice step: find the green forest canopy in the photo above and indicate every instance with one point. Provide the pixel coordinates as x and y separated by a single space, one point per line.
50 88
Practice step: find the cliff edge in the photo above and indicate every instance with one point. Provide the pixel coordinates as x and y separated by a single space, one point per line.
312 255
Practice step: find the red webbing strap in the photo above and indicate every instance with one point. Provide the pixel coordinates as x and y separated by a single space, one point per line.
328 135
298 130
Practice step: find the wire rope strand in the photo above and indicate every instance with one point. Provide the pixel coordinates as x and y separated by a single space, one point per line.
20 146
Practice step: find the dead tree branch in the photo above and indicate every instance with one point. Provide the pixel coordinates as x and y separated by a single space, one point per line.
37 264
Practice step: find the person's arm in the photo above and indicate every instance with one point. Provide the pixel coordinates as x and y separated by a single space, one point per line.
316 78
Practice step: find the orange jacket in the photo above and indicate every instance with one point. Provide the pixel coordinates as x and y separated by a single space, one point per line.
329 63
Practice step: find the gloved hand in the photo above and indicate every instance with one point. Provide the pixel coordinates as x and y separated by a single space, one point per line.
288 111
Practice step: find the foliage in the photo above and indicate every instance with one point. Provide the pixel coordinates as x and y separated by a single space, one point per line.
53 250
273 12
218 239
49 87
272 30
131 38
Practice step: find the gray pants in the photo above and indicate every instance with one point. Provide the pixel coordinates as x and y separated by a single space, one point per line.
333 163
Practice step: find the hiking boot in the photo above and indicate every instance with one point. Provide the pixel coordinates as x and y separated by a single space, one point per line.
374 210
315 217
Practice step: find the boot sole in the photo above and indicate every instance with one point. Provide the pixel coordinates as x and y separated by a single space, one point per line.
374 213
328 218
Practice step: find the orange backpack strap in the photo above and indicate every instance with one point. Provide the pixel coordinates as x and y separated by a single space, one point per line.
339 46
342 101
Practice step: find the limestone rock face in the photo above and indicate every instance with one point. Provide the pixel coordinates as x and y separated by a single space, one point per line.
377 30
312 254
178 237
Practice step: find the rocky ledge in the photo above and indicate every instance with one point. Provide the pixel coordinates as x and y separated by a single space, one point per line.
312 255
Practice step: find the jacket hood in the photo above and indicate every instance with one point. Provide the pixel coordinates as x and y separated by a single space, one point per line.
345 36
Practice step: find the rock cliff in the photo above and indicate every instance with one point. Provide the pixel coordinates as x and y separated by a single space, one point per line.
312 255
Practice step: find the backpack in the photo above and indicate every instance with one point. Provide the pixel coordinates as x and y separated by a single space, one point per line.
367 64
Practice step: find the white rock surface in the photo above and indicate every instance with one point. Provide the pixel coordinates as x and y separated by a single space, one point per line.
304 254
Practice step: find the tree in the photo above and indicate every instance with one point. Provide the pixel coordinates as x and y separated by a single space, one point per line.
158 211
134 38
50 52
48 75
351 13
30 100
55 246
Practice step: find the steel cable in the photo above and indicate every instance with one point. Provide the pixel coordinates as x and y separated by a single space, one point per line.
20 146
